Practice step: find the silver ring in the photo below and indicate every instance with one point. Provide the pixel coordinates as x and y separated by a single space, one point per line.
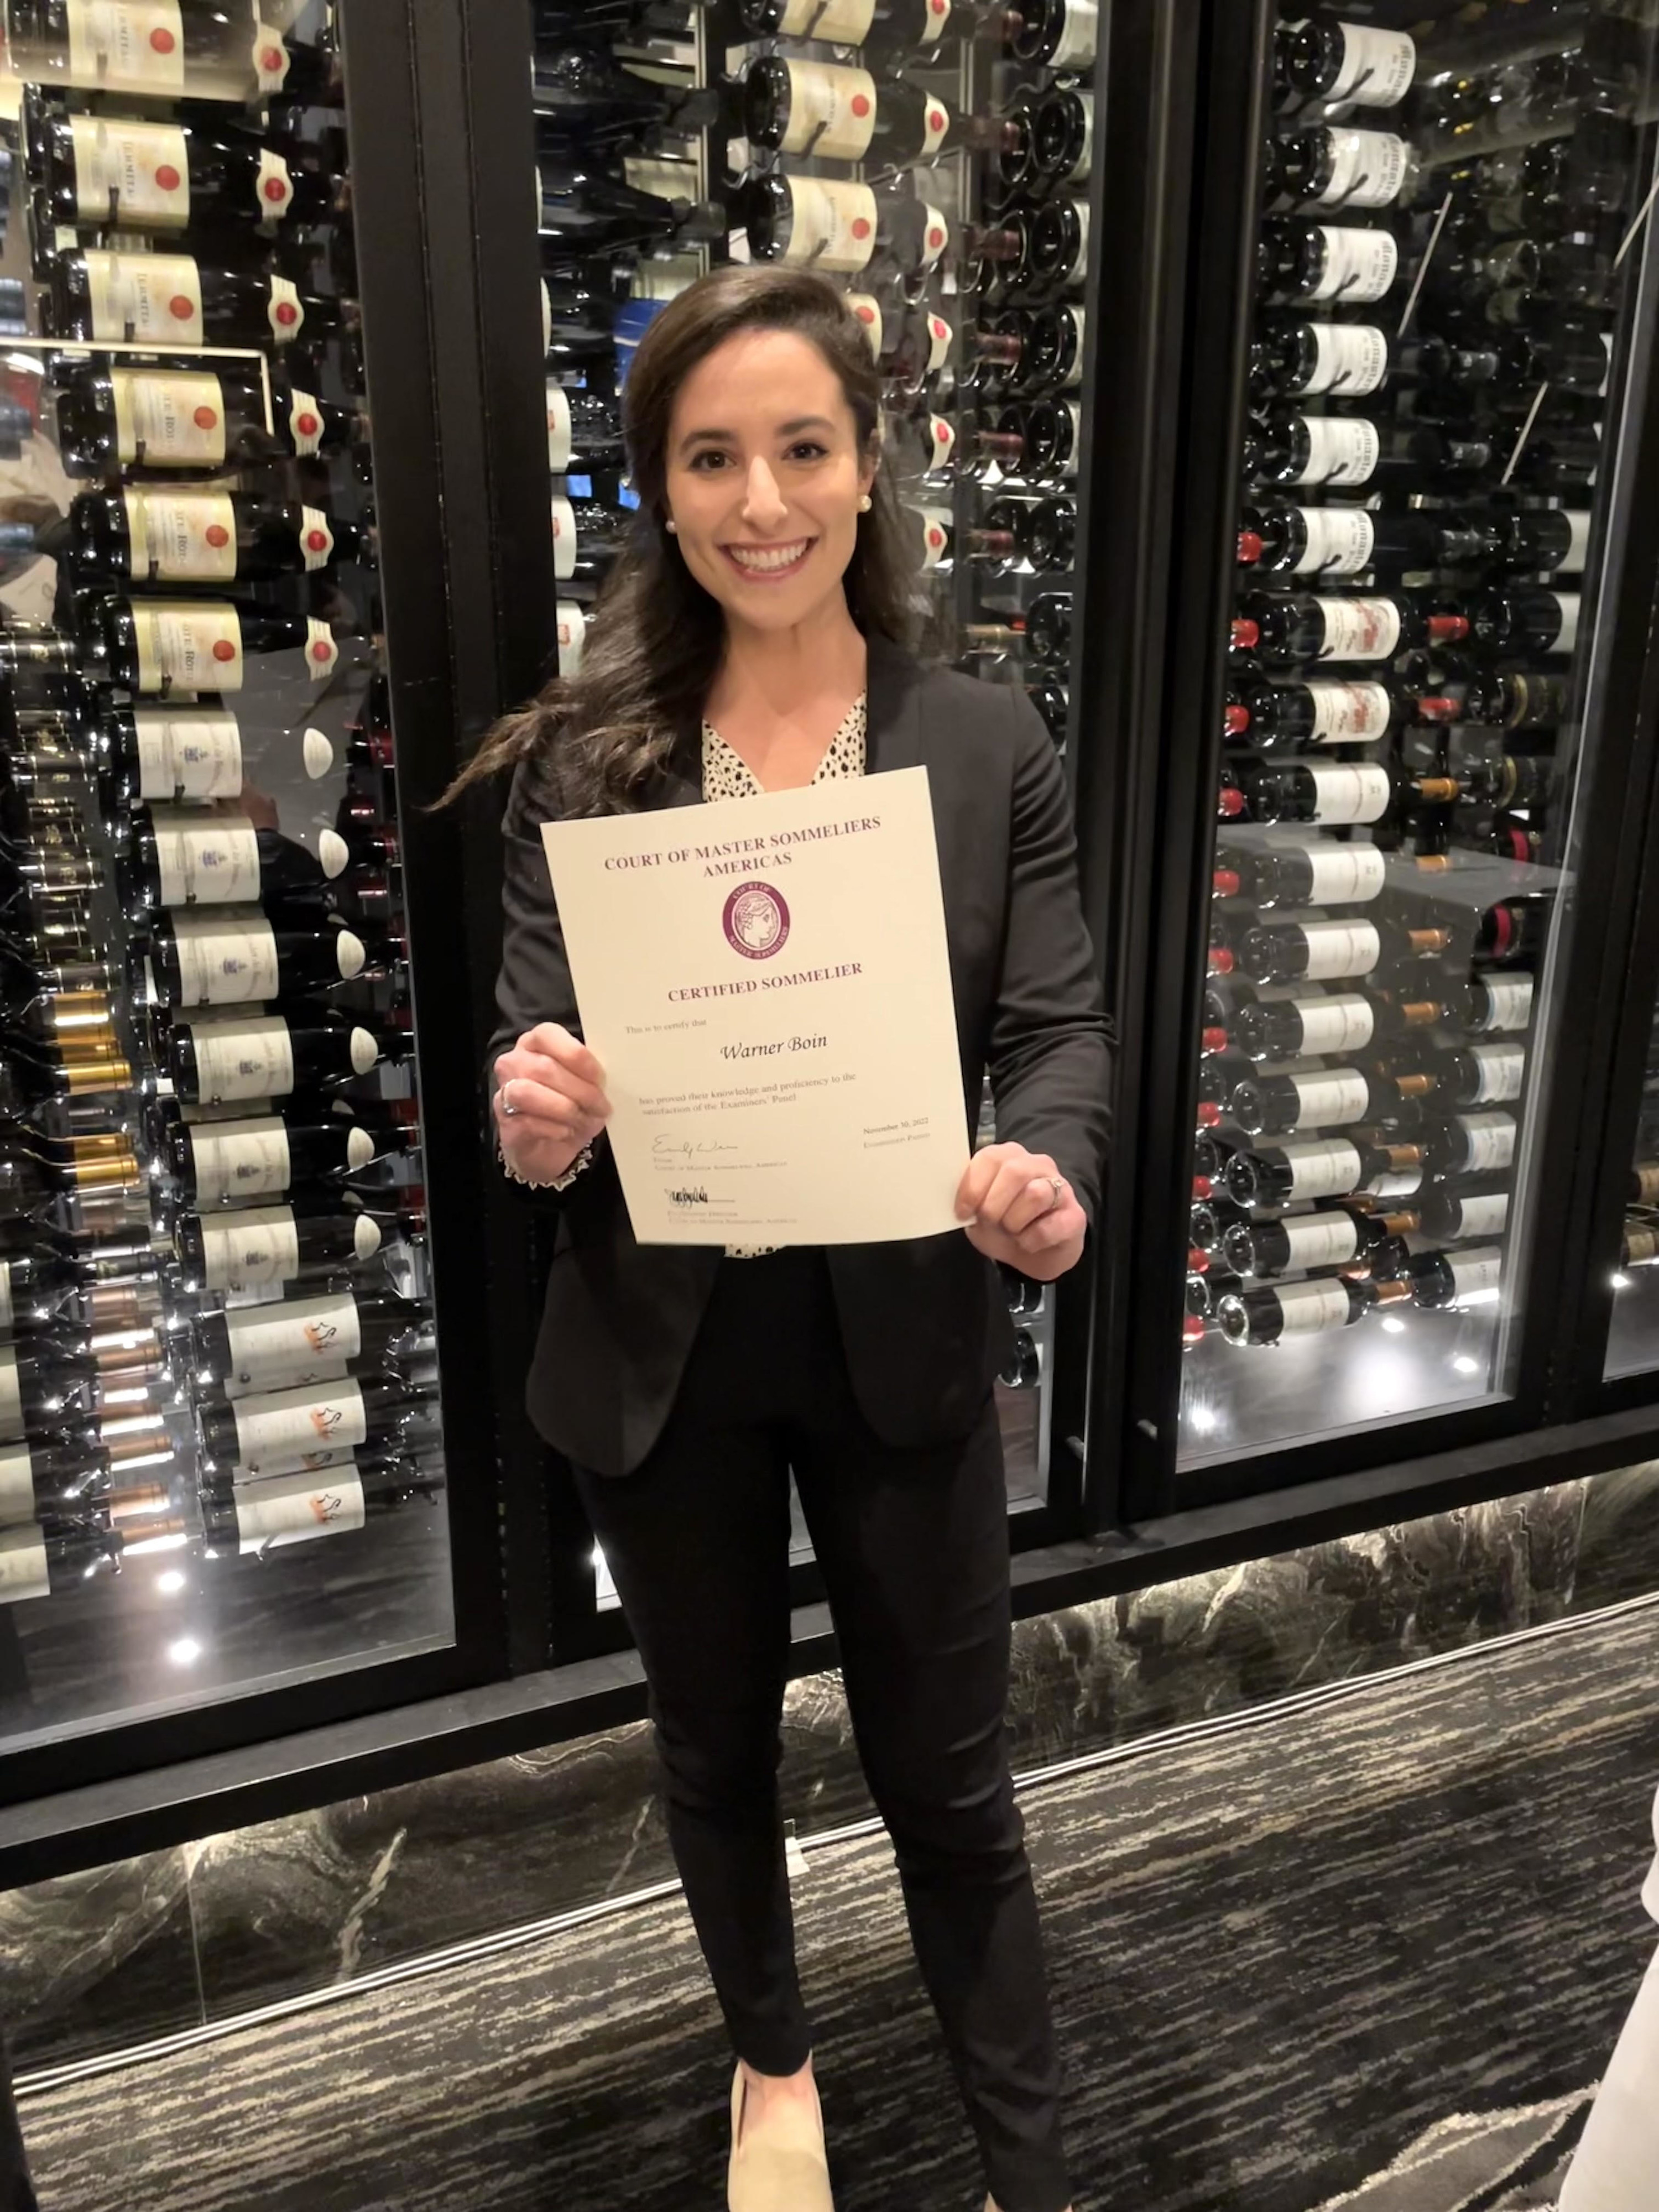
507 1106
1058 1198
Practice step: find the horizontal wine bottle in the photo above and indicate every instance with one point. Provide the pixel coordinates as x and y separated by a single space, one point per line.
267 1055
184 856
1353 452
166 50
832 113
832 224
1527 620
245 1247
162 645
232 956
285 1345
1287 626
1319 58
51 1558
1282 952
1332 1022
1326 1098
1062 34
1471 1143
1280 538
1321 262
1329 1237
50 1481
177 302
112 418
263 1516
273 1426
1313 1308
1325 711
112 173
183 537
1482 1211
1326 874
39 1291
44 1385
268 1154
1340 168
1323 1167
1447 1278
1484 1074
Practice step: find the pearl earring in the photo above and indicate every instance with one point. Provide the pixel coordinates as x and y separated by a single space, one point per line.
671 526
866 504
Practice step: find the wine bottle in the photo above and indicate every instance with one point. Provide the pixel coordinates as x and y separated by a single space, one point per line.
232 955
577 331
1281 538
1326 167
584 431
183 537
161 646
816 109
1062 34
1289 627
189 856
277 1426
1319 261
166 50
1494 1004
1268 1316
107 172
1449 1279
1323 1167
583 212
1515 933
1062 135
581 94
286 1345
1329 1236
1340 452
1326 1098
1527 620
829 223
1482 1211
1051 534
169 753
43 1480
894 27
1049 628
267 1055
175 302
1060 244
268 1154
52 1558
909 341
1335 1022
1285 952
39 1292
1341 64
1323 712
244 1247
112 418
1471 1143
587 536
43 1385
1322 874
298 1509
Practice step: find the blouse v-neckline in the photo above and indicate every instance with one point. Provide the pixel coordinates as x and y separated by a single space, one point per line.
726 775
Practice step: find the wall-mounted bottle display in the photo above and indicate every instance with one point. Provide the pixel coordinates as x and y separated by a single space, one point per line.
1443 286
220 1464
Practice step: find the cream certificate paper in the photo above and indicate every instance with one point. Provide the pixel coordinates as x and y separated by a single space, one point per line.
766 983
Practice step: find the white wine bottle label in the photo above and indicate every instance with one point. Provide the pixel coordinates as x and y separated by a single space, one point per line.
935 523
934 26
284 313
1341 1094
935 126
242 1159
1500 1069
838 23
1376 67
832 112
195 753
1508 1002
867 309
11 1394
1489 1141
142 167
1341 1023
187 645
1319 1240
1360 265
271 57
126 46
1307 1308
1348 713
1647 1186
1345 875
1360 629
1567 638
1342 948
1349 794
300 1420
316 539
213 862
168 415
363 1050
1486 1215
7 1309
1079 36
941 441
146 299
1342 449
321 651
273 186
305 423
558 429
547 308
181 536
24 1570
17 1485
1321 1167
939 335
1571 562
1474 1271
570 631
269 1343
1351 358
564 540
294 1510
1338 540
245 1059
260 1244
261 1481
1368 169
225 961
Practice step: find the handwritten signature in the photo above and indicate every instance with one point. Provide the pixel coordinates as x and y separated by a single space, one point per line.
664 1145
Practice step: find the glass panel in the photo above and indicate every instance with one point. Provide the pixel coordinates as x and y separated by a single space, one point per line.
1633 1335
932 157
1449 248
218 1447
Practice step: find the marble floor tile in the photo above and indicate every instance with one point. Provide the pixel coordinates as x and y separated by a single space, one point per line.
96 1961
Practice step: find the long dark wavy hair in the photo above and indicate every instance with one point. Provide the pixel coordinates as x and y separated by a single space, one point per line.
655 641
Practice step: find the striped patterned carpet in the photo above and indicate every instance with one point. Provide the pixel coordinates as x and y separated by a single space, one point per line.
1371 1954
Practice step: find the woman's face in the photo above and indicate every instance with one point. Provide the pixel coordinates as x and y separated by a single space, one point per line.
765 476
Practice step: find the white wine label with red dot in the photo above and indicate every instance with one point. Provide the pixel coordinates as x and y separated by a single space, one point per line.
240 1159
1349 358
278 1343
307 1419
939 335
1321 1167
935 125
1376 67
294 1510
1342 948
1307 1308
316 539
117 45
270 58
145 299
180 537
168 416
1500 1071
1348 713
832 112
321 651
1489 1141
1345 875
273 186
832 224
187 645
838 23
935 234
25 1571
1360 629
1474 1271
1334 1096
1079 38
1343 1022
17 1485
1368 169
564 540
1485 1215
190 753
212 861
243 1059
936 524
285 315
305 423
141 166
936 17
570 633
225 960
866 310
558 429
1319 1240
1358 265
1507 1002
1338 540
1342 449
941 441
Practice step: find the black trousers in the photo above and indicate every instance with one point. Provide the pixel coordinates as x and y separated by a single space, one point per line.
913 1549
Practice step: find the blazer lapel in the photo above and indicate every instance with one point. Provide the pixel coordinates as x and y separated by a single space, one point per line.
679 781
893 716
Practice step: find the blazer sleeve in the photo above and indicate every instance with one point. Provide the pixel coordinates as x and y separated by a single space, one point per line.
1050 1061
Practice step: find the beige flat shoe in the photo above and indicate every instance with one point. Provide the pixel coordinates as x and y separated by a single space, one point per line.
785 2170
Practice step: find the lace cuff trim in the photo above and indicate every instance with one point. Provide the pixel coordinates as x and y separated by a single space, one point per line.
583 1159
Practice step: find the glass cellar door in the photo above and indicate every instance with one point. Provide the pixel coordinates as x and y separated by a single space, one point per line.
1452 225
220 1464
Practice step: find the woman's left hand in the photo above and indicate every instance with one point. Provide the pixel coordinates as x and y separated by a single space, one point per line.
1018 1208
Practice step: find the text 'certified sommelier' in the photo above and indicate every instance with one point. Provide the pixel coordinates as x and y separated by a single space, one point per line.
766 984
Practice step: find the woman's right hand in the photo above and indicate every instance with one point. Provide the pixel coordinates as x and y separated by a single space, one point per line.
556 1091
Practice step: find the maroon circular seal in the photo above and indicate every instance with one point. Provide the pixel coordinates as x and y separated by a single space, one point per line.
756 922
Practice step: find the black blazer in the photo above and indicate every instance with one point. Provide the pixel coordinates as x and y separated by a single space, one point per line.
924 1322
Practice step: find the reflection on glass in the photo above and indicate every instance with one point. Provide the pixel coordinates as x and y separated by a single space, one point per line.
1633 1339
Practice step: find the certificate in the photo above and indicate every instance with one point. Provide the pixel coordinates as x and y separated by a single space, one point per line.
766 983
